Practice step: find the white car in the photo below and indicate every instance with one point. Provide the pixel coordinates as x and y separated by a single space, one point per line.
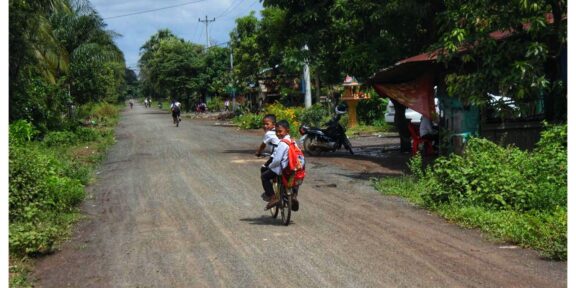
410 114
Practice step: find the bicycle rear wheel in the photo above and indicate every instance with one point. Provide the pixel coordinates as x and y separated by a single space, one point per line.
286 205
274 210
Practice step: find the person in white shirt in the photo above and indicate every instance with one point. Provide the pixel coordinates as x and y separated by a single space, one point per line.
270 140
278 163
427 130
175 107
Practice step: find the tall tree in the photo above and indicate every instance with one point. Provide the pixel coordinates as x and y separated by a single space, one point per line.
46 39
174 68
247 54
526 65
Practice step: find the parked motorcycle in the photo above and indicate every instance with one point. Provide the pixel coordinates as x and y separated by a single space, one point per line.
333 137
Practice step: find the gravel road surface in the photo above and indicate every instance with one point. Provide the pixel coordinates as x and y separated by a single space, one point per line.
181 207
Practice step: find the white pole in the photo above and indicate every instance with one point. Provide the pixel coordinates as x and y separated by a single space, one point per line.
232 79
308 92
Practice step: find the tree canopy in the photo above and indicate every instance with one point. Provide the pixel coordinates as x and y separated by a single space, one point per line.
60 55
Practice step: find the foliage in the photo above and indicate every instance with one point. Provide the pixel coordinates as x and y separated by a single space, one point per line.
525 65
172 67
47 181
372 110
415 166
60 138
248 121
105 113
515 196
21 131
543 231
502 178
356 37
290 114
315 116
60 56
19 274
403 186
215 104
247 54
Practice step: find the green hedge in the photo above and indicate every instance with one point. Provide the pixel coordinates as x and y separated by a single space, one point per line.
512 195
497 177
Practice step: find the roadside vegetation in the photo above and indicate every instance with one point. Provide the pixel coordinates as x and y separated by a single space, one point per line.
514 196
370 114
67 78
48 174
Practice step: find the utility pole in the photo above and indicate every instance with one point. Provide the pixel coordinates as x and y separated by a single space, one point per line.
206 22
308 91
232 80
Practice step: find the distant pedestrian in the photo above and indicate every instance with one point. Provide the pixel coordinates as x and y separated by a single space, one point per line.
227 105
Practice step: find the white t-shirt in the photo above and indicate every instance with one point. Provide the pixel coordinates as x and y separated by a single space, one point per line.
280 160
271 141
426 126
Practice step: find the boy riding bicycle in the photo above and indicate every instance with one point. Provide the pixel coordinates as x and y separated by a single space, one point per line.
275 167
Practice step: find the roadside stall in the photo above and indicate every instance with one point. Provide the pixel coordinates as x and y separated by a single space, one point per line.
414 83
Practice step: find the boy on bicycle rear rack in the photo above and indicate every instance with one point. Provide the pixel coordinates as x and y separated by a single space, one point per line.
269 143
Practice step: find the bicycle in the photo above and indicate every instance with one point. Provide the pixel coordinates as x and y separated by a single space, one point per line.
284 205
176 118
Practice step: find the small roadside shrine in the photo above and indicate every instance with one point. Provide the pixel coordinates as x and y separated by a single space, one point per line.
352 96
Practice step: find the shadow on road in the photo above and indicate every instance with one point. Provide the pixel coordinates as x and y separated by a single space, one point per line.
263 220
240 151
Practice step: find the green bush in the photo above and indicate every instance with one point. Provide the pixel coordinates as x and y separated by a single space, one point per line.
63 192
31 237
371 111
29 168
248 121
512 195
315 116
494 177
21 131
215 104
85 134
41 194
290 114
60 138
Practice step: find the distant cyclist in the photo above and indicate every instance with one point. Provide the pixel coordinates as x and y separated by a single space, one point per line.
175 107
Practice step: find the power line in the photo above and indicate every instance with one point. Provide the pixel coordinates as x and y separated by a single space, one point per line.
248 9
153 10
229 9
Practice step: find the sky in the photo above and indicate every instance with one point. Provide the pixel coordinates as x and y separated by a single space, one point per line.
137 20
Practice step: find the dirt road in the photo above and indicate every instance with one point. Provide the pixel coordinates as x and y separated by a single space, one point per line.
181 207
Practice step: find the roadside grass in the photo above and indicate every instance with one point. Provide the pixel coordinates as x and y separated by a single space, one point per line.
47 183
18 270
513 196
363 129
538 230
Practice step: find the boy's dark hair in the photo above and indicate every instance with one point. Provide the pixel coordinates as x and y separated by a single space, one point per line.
283 123
271 117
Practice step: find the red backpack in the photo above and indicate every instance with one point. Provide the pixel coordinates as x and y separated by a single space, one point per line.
294 173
